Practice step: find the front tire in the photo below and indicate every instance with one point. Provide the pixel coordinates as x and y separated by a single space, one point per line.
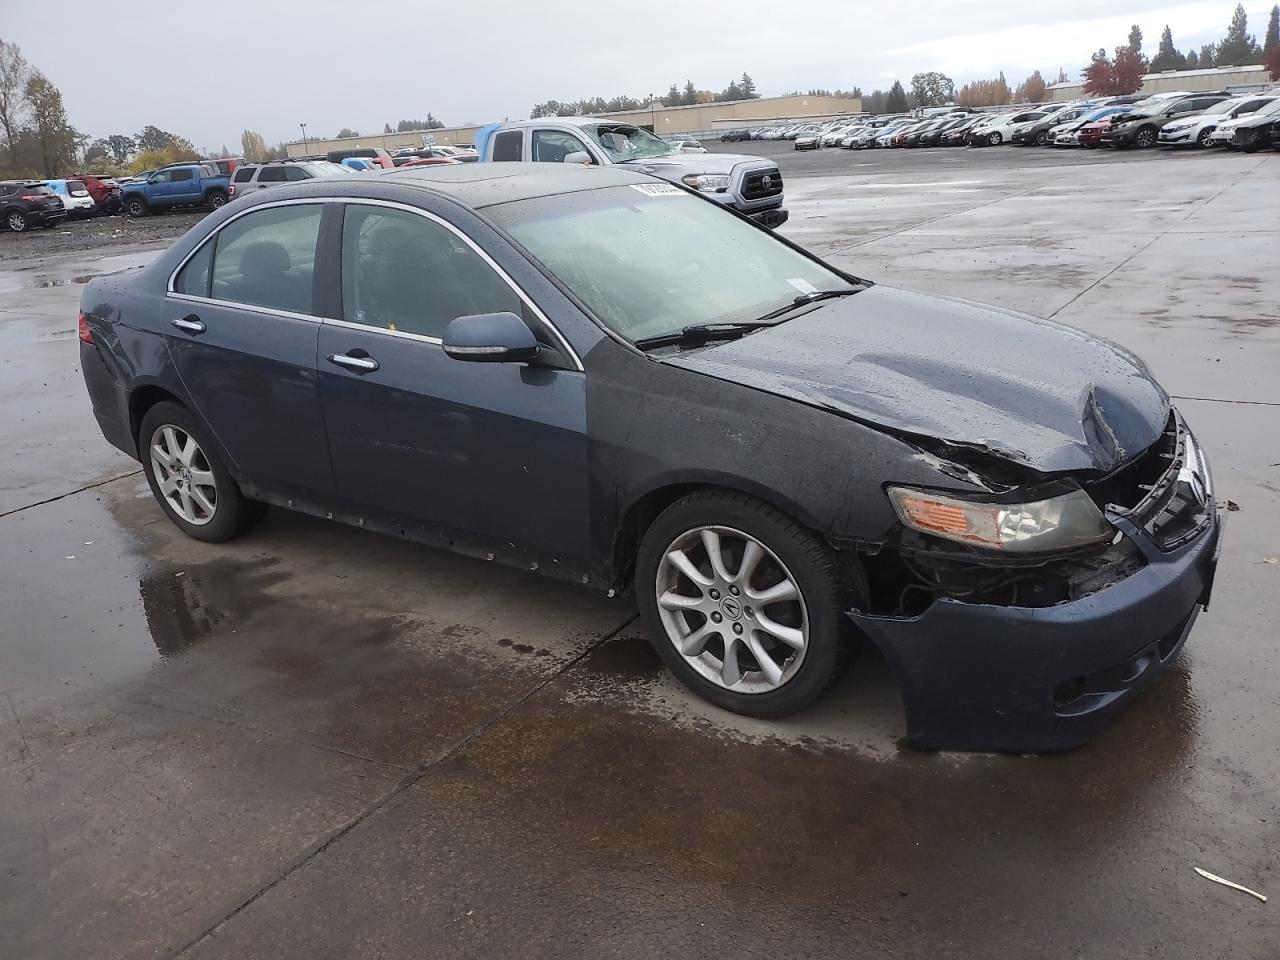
995 138
136 207
744 606
1144 138
16 221
189 479
1202 141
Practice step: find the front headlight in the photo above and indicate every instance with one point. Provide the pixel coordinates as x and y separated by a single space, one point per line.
707 182
1057 523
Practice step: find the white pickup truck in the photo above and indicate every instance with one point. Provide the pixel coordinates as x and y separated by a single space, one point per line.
749 185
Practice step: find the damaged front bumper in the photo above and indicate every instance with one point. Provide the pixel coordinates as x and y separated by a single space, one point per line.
1029 680
1025 679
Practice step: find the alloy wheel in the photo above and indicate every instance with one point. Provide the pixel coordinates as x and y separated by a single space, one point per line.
1205 134
183 474
1144 139
732 609
17 222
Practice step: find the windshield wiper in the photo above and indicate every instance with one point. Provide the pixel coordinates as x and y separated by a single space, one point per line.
807 298
700 333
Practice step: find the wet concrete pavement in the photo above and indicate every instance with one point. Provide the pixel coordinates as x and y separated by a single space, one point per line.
319 742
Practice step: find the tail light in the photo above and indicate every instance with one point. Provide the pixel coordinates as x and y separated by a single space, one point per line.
34 196
86 335
231 190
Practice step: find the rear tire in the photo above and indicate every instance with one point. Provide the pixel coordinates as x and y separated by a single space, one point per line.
215 199
804 634
183 478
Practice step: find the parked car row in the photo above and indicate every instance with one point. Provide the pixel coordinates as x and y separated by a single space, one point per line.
1179 118
43 203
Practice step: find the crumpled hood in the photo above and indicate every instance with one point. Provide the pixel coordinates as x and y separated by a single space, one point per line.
1036 392
682 163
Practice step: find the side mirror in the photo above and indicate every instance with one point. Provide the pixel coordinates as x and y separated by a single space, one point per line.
578 156
490 338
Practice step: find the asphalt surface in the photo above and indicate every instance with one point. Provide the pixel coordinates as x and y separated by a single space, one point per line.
318 742
96 234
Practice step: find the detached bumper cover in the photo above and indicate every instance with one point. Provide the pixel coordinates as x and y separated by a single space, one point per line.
1029 680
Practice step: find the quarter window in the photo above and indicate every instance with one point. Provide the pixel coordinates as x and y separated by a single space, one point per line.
402 271
267 258
296 173
552 146
506 146
193 279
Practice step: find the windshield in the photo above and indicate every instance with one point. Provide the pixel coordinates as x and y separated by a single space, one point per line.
650 259
622 142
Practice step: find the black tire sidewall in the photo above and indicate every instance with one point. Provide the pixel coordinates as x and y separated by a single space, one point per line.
831 642
140 205
232 511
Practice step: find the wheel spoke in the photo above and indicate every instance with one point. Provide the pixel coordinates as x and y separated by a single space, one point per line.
711 543
187 510
783 590
189 450
171 444
791 636
730 671
678 601
204 503
696 642
680 560
770 669
160 453
202 478
167 483
751 556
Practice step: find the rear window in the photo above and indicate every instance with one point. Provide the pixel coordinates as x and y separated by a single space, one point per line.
506 146
74 186
244 174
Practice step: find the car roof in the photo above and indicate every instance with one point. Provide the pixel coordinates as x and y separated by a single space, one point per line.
479 185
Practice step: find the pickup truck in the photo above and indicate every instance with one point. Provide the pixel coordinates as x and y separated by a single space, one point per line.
189 185
750 185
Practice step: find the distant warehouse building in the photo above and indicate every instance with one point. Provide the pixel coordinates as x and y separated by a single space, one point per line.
698 118
1234 79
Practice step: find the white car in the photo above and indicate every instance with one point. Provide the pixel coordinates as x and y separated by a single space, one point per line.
1226 130
688 146
1000 128
1197 130
75 198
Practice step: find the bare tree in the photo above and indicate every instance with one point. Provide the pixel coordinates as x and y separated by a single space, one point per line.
14 73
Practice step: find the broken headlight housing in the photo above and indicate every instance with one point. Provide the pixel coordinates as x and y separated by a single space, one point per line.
707 182
1067 521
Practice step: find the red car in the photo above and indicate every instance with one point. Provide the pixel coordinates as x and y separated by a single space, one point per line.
1091 133
104 190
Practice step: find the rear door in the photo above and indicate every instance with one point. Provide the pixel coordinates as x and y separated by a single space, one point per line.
488 457
270 176
242 333
184 186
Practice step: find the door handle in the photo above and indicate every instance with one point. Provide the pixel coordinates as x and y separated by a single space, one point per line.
358 364
190 323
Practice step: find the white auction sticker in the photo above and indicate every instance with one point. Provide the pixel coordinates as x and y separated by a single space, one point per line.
804 286
657 189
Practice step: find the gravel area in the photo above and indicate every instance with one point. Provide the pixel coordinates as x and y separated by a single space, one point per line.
97 233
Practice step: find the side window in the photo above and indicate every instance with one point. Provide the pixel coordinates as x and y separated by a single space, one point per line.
193 279
243 175
295 173
267 258
552 146
401 271
161 176
506 145
180 176
271 175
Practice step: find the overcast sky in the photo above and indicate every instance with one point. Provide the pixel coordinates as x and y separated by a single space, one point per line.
207 71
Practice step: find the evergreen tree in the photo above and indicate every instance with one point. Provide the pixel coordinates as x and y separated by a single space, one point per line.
672 99
690 95
1167 56
748 87
1272 39
1238 46
896 101
1135 39
1208 55
1193 60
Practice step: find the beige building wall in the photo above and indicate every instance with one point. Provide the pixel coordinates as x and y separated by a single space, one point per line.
665 121
1193 81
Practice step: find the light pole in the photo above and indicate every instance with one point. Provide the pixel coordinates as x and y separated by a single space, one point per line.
653 123
304 138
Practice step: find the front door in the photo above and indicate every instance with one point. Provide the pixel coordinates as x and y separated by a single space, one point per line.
240 328
486 457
